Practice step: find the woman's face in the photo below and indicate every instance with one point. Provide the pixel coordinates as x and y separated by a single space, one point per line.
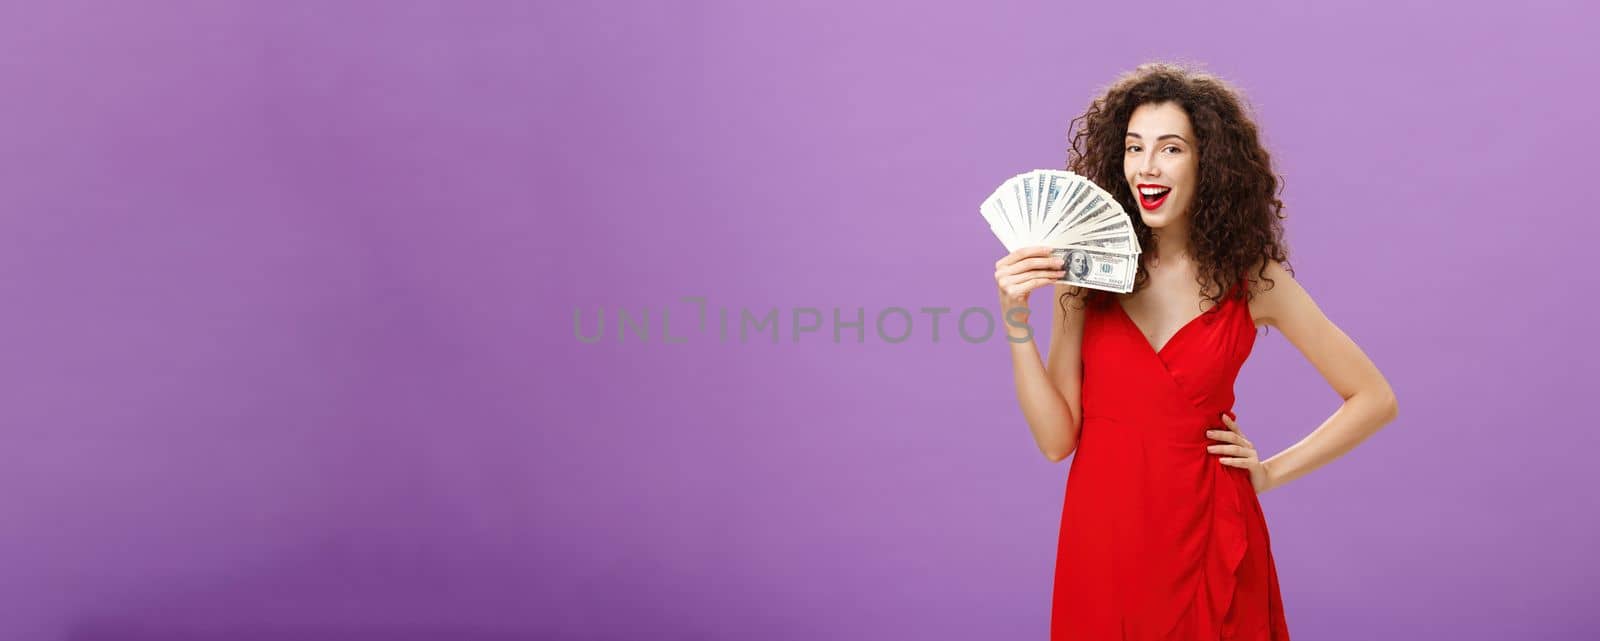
1159 152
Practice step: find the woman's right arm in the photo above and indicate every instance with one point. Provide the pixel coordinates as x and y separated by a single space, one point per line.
1050 399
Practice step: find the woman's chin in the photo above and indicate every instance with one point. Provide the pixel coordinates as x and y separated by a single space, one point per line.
1156 219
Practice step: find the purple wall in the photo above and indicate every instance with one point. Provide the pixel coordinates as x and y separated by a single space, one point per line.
290 348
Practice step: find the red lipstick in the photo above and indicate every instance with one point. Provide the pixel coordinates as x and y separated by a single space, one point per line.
1152 203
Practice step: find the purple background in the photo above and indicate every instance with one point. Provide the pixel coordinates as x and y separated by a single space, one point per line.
290 289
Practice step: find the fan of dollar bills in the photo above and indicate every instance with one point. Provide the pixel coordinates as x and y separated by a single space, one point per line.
1068 212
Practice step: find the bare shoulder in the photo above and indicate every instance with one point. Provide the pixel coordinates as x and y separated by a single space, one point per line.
1285 305
1277 294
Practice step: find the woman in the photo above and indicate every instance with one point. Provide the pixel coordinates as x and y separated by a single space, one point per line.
1162 535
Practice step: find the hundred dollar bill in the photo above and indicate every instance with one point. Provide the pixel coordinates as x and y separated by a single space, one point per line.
1030 191
1114 225
1085 203
1093 207
1054 188
1058 211
1103 212
1001 221
1098 269
1022 199
1110 244
1111 230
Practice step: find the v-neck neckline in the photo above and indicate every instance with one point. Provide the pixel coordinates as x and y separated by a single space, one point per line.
1161 351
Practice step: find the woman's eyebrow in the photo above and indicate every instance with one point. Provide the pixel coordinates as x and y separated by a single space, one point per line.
1134 135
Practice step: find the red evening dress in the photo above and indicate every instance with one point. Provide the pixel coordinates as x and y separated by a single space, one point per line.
1159 540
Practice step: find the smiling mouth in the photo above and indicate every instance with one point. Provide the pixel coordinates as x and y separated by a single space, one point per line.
1152 202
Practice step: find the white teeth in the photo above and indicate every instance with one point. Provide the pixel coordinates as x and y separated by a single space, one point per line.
1153 191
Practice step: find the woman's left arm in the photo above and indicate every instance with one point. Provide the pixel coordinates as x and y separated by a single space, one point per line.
1369 402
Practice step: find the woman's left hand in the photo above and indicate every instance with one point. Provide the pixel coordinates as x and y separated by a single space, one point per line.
1238 451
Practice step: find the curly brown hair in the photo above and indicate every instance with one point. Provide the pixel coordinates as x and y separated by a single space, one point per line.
1236 217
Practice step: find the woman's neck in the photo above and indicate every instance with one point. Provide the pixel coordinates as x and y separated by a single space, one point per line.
1172 242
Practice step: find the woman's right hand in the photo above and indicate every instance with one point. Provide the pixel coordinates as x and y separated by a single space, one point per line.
1025 270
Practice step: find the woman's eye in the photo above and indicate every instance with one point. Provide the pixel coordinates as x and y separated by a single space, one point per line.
1174 147
1131 148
